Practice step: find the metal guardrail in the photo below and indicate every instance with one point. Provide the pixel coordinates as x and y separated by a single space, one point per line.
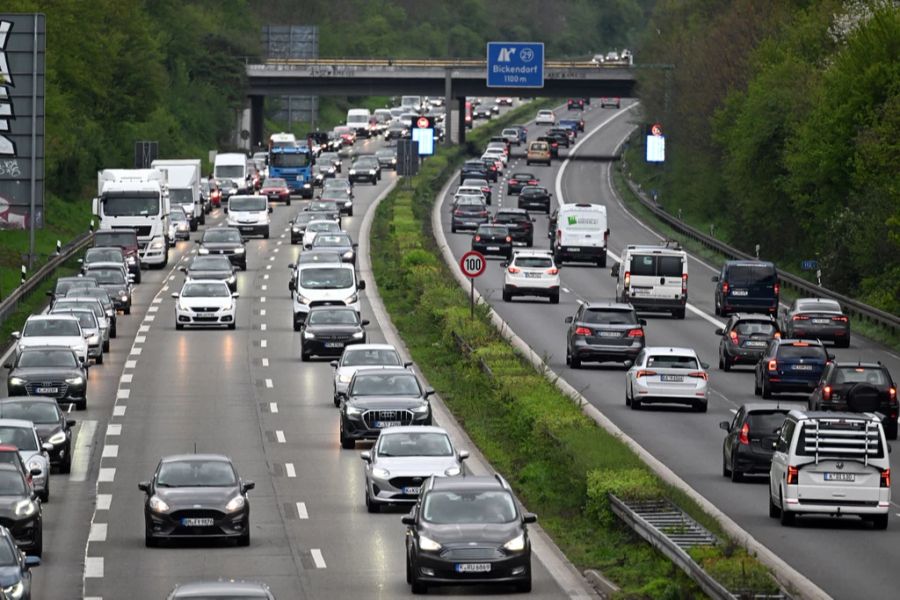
11 302
668 529
434 63
854 307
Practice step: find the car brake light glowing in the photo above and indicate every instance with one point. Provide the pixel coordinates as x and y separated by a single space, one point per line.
627 278
508 238
734 337
799 318
773 365
793 474
582 331
744 435
826 393
800 344
552 271
517 270
684 284
725 287
886 478
645 374
477 238
893 393
635 333
777 288
841 318
699 375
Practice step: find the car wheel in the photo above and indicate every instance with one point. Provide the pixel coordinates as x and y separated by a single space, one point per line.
304 356
408 570
736 476
725 471
890 430
347 443
417 586
232 326
203 217
38 549
878 522
554 299
296 325
601 262
244 540
756 389
372 507
845 344
766 390
678 314
453 229
45 495
787 517
575 362
635 403
81 404
774 511
244 267
179 326
149 540
701 406
99 359
524 586
725 363
106 346
507 297
627 397
266 235
288 201
127 310
114 332
66 467
137 277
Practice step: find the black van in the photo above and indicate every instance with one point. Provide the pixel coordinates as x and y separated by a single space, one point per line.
747 286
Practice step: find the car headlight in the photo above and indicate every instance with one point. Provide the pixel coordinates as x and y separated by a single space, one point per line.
517 544
353 299
75 380
348 203
422 408
381 473
235 504
353 410
16 381
348 254
296 229
452 471
157 504
36 463
428 544
15 591
157 244
231 279
358 335
238 250
306 185
303 299
393 161
203 251
57 438
372 171
344 378
25 508
309 335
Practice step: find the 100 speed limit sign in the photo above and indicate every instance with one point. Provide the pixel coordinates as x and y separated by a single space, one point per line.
472 264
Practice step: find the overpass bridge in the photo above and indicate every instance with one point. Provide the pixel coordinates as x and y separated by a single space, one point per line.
453 79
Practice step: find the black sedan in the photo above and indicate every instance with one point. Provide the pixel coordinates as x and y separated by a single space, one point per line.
15 567
492 173
196 496
336 242
51 425
493 239
53 372
327 210
298 225
329 329
226 241
396 131
521 226
534 197
517 181
387 158
744 339
342 198
20 510
817 319
473 169
561 136
468 213
858 387
365 168
604 331
748 441
217 268
467 530
377 399
115 280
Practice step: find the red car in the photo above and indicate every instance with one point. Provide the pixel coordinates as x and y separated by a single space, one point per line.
276 188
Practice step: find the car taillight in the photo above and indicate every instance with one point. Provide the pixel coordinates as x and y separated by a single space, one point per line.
799 318
841 318
744 436
684 284
725 287
484 213
777 288
627 278
582 331
635 333
486 190
773 365
793 474
734 337
552 271
518 270
699 375
514 181
893 392
645 374
532 182
458 212
508 238
826 393
477 238
886 478
777 335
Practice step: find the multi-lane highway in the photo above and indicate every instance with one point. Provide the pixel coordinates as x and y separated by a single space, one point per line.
244 393
845 557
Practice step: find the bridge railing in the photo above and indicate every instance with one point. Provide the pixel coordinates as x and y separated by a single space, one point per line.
424 62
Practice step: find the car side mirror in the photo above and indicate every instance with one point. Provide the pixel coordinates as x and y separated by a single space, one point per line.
270 210
407 364
364 322
725 425
175 294
829 355
704 365
16 335
504 264
628 364
32 561
463 454
307 246
569 319
70 423
182 269
8 365
614 271
408 519
714 278
86 335
366 456
247 486
235 295
429 392
528 518
292 266
355 245
334 364
50 293
643 322
225 209
144 486
35 472
720 332
361 285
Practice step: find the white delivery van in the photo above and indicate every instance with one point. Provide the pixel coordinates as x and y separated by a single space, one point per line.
249 215
317 284
233 166
581 234
359 119
411 103
653 278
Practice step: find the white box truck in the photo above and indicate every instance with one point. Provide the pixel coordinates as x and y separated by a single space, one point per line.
233 166
136 199
183 176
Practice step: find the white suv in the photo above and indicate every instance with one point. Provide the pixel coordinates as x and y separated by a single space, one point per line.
831 463
531 273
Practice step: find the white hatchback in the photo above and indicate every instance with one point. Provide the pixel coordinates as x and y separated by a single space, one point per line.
318 226
53 330
667 375
531 273
545 117
205 303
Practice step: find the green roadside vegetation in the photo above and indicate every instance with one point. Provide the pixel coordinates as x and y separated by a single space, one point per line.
560 462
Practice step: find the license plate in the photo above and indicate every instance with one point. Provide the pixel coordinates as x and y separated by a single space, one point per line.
46 390
677 378
574 249
473 568
334 344
821 321
640 291
383 424
411 491
840 477
493 248
738 292
532 275
206 314
803 367
756 344
608 333
196 522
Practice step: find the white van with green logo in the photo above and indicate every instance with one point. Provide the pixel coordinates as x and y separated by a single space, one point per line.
582 233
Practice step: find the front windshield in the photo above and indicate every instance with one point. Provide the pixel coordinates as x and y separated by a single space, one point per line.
333 317
36 412
303 218
230 171
108 276
370 357
104 255
52 328
211 263
181 196
332 241
386 153
130 206
326 278
205 290
11 484
414 444
320 256
292 160
366 163
452 508
247 203
20 437
196 473
337 183
91 292
382 384
218 236
47 358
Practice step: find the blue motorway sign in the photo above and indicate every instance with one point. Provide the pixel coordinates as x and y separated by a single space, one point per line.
515 64
809 265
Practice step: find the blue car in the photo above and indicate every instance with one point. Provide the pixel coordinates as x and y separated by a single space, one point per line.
790 366
570 124
15 568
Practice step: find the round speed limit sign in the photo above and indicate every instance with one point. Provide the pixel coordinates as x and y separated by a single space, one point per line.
472 264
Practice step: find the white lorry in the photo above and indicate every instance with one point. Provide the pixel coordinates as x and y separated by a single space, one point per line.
136 199
183 176
233 166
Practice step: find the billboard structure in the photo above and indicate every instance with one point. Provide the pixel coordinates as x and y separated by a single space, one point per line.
22 46
656 144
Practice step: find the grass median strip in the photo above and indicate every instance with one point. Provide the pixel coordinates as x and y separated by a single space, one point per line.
560 462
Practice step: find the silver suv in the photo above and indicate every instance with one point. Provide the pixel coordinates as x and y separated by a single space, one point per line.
831 463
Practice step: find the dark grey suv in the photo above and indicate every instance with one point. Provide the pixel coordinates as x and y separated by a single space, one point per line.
604 332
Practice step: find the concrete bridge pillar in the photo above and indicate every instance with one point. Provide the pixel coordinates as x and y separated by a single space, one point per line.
257 103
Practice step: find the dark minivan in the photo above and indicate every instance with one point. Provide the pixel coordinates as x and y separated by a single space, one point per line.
746 286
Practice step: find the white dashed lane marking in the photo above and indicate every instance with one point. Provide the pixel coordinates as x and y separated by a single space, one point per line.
93 567
119 411
265 362
263 343
279 435
114 429
318 558
106 475
269 384
289 470
98 532
273 407
104 501
301 510
110 451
